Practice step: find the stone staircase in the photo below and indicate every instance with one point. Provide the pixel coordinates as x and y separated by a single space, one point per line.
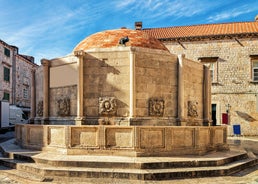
46 166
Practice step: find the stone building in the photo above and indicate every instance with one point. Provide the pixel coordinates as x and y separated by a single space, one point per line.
138 82
231 50
16 76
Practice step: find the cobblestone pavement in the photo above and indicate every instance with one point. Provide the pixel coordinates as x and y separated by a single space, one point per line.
4 179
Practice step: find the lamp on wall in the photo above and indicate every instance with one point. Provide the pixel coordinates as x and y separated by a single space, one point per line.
228 106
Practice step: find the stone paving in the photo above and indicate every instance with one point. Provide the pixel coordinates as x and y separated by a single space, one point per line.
249 176
244 177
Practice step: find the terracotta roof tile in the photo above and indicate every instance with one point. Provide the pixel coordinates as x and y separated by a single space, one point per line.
111 38
203 30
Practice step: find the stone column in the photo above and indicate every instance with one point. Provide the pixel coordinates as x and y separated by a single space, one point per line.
80 118
45 64
206 96
180 99
132 83
33 96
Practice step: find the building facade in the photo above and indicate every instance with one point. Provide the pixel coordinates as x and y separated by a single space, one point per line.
16 74
231 51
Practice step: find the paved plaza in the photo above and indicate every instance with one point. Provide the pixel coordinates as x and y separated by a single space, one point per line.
248 176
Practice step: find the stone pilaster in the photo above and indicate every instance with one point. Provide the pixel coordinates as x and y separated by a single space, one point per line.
33 96
80 117
45 63
132 84
181 107
206 96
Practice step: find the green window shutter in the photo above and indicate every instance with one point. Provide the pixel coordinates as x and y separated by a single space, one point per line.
6 96
7 74
7 52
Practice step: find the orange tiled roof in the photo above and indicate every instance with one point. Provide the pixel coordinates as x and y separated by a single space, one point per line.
110 38
203 30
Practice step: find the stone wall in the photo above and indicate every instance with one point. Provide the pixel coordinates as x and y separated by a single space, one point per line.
193 91
6 87
23 81
120 86
156 81
122 140
63 101
106 81
233 84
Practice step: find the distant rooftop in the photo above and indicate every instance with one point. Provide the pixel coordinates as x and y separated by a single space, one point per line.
203 30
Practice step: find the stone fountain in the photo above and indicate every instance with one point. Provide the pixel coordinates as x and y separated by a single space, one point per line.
123 99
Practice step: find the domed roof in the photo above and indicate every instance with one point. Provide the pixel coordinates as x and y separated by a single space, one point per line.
111 38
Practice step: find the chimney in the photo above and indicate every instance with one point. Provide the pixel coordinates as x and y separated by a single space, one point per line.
256 18
138 25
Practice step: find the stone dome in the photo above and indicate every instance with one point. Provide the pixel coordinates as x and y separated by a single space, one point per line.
111 38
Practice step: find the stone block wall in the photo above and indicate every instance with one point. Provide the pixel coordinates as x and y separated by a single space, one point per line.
120 86
63 101
193 90
6 62
106 78
23 81
233 83
156 84
122 140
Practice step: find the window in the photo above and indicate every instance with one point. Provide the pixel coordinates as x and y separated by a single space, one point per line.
25 93
254 64
7 52
6 74
6 96
213 63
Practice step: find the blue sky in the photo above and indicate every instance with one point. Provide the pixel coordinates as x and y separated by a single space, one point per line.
52 28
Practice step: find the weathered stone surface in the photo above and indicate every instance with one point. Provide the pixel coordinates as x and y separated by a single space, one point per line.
123 140
232 82
132 76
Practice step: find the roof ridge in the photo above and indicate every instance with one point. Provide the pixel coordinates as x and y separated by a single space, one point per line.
195 25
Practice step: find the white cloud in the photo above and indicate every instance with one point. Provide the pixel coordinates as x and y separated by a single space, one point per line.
44 32
157 9
229 14
49 28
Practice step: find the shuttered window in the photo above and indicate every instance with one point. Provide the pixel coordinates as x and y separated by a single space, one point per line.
6 74
255 70
7 52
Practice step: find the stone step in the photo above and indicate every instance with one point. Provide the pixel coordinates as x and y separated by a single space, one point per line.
47 166
62 173
140 163
213 159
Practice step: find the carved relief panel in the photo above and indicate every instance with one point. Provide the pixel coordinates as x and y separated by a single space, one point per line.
40 108
107 106
63 107
156 107
192 109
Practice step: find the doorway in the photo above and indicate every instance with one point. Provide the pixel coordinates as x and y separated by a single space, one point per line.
214 114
